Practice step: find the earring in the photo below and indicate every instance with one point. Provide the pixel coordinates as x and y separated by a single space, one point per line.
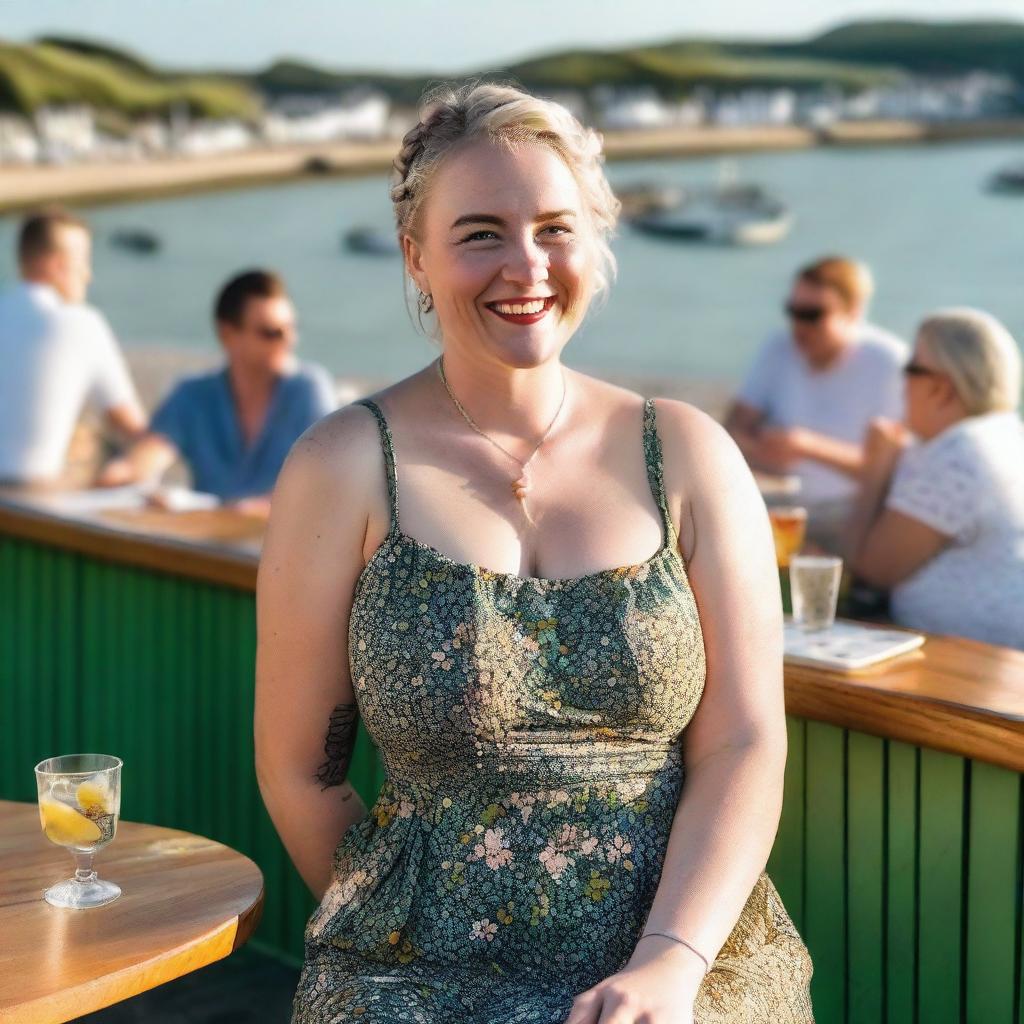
426 302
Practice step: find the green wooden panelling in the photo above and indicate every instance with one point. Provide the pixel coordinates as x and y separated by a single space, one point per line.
940 885
992 893
160 671
901 884
865 792
825 900
872 859
8 631
26 657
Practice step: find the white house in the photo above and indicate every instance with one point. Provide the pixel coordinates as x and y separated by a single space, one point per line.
356 115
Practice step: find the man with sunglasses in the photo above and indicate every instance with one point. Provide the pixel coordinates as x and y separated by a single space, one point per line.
814 388
235 425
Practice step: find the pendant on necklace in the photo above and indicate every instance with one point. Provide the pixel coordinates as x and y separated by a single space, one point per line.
521 486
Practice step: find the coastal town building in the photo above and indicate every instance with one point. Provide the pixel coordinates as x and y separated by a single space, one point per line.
360 114
70 133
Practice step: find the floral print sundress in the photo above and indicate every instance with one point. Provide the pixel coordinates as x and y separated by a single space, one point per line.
530 730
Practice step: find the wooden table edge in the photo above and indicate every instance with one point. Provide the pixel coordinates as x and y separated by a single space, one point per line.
101 993
89 996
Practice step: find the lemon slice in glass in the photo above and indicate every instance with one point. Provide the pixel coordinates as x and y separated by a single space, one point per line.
64 826
93 798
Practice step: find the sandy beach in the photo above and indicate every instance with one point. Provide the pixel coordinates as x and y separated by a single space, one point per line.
24 187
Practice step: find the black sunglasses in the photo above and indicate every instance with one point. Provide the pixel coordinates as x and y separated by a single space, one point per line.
273 333
806 314
913 369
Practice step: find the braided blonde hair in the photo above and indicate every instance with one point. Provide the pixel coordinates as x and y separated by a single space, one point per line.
451 116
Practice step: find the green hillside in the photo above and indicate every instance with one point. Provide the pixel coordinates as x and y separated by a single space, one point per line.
996 46
852 57
678 67
59 70
35 74
672 69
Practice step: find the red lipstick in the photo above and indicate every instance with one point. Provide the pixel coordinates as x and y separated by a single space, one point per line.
522 318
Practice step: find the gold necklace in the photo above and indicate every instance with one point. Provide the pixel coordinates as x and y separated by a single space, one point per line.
521 485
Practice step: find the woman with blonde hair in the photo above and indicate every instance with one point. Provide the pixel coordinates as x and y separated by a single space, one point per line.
940 522
552 602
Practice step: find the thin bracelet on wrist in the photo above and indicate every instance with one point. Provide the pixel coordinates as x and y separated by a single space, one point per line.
681 941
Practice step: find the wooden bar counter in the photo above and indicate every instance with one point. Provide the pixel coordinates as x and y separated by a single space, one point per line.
898 855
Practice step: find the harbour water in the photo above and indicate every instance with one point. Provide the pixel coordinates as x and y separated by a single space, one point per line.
918 214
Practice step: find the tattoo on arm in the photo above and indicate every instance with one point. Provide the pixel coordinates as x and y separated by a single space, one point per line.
340 742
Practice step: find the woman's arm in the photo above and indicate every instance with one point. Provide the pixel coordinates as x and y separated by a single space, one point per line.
735 745
883 547
306 715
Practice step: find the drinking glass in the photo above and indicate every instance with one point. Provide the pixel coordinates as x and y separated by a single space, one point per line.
814 585
79 803
789 525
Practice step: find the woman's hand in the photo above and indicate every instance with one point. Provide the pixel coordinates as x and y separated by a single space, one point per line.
657 986
883 445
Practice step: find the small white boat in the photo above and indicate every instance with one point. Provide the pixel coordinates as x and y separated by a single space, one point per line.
371 241
728 213
735 215
640 198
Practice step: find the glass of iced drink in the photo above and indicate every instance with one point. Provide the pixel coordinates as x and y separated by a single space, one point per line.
789 525
814 585
79 802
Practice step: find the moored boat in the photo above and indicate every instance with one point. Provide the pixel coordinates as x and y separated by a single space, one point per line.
371 241
1008 181
730 215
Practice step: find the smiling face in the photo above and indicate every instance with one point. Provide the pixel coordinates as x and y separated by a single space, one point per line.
504 247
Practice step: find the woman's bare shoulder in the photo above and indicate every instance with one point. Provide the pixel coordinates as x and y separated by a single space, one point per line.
330 486
684 421
699 454
338 463
340 449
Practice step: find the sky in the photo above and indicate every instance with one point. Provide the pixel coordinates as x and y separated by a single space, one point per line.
454 35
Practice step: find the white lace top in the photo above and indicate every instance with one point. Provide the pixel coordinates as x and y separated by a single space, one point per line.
967 483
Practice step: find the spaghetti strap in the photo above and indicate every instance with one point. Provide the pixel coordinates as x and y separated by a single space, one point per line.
389 457
655 470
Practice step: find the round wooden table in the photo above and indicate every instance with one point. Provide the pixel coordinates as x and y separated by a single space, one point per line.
186 902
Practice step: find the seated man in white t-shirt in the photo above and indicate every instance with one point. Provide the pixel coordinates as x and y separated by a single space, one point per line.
56 353
813 389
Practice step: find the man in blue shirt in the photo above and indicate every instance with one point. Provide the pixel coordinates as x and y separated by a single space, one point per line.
235 426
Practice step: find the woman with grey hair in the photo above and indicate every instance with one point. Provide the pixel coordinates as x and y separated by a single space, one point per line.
940 521
544 595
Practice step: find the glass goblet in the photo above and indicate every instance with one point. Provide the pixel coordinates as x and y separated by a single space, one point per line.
79 804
